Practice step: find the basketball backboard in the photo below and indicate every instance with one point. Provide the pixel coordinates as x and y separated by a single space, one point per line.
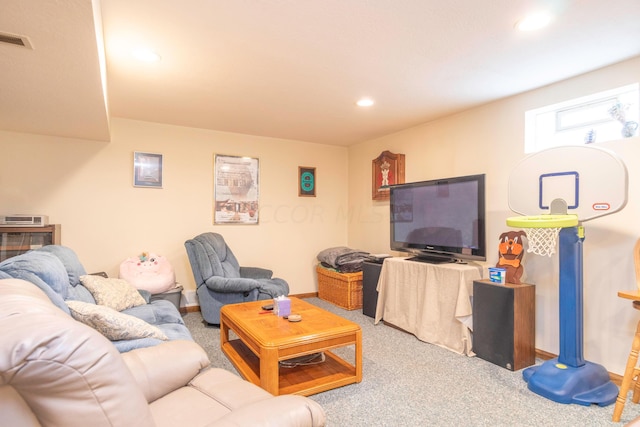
592 181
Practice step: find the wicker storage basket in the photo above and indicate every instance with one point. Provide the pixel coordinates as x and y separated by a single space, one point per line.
341 289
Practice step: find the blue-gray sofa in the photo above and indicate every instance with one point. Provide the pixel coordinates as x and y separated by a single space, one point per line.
56 270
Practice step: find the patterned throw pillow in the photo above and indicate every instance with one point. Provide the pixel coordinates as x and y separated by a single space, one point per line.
115 293
113 324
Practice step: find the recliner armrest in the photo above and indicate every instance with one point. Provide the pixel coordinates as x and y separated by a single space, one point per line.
232 285
285 410
163 368
255 273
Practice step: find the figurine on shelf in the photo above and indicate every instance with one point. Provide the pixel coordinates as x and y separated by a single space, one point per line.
619 112
388 169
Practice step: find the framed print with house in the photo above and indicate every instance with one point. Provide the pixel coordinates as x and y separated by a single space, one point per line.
306 181
236 190
147 170
386 170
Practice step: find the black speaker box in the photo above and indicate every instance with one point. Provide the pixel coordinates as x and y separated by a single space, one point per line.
504 323
370 275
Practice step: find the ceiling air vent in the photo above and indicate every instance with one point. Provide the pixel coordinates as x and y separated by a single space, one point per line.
15 40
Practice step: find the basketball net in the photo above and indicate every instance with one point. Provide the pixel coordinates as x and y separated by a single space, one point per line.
542 241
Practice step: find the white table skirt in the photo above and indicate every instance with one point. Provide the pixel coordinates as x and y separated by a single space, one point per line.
431 301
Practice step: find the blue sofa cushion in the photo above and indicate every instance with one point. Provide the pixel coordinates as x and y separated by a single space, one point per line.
69 259
80 293
156 312
44 265
42 269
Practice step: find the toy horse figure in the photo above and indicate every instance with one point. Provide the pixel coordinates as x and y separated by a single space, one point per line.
511 251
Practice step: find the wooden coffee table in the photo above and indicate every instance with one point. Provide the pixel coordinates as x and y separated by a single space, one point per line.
266 339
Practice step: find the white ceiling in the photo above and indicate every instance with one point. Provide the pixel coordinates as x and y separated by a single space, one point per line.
291 68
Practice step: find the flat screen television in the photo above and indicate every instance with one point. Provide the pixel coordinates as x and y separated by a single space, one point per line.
442 220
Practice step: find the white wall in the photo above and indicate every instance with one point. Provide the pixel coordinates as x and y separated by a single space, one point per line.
490 139
86 186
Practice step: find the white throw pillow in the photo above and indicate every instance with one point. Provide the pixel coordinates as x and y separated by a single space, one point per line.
115 293
113 324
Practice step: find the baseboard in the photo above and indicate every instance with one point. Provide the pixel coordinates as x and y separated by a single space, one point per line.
544 355
309 295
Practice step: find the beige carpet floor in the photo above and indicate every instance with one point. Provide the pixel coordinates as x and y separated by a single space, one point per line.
407 382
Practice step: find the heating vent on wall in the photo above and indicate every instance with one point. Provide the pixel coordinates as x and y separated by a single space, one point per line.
15 40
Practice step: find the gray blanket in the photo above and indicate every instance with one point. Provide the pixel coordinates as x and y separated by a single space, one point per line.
343 259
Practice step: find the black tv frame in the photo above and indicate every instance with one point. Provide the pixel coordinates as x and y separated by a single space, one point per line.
439 253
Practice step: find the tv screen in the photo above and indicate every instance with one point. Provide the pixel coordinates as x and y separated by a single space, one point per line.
441 220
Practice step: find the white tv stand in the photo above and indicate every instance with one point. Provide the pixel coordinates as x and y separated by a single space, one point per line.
430 301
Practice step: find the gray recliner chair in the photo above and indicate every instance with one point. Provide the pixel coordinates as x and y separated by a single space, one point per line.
220 280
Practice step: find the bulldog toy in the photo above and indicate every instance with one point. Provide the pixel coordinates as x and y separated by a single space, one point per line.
510 252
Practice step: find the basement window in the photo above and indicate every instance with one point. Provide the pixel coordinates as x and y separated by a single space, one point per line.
603 116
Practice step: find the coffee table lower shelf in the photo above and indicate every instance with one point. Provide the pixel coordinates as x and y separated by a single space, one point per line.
304 380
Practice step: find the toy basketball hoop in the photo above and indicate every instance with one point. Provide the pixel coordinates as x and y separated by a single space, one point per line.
556 191
542 230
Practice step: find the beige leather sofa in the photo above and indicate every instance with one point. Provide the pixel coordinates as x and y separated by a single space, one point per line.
55 371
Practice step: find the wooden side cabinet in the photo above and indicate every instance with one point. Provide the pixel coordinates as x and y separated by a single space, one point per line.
18 240
504 323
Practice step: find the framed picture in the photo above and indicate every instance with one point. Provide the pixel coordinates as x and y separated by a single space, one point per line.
147 170
386 170
306 181
236 189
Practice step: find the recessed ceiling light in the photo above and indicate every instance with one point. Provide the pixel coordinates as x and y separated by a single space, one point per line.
365 102
534 21
146 55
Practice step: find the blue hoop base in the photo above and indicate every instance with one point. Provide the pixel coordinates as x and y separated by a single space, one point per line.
585 385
